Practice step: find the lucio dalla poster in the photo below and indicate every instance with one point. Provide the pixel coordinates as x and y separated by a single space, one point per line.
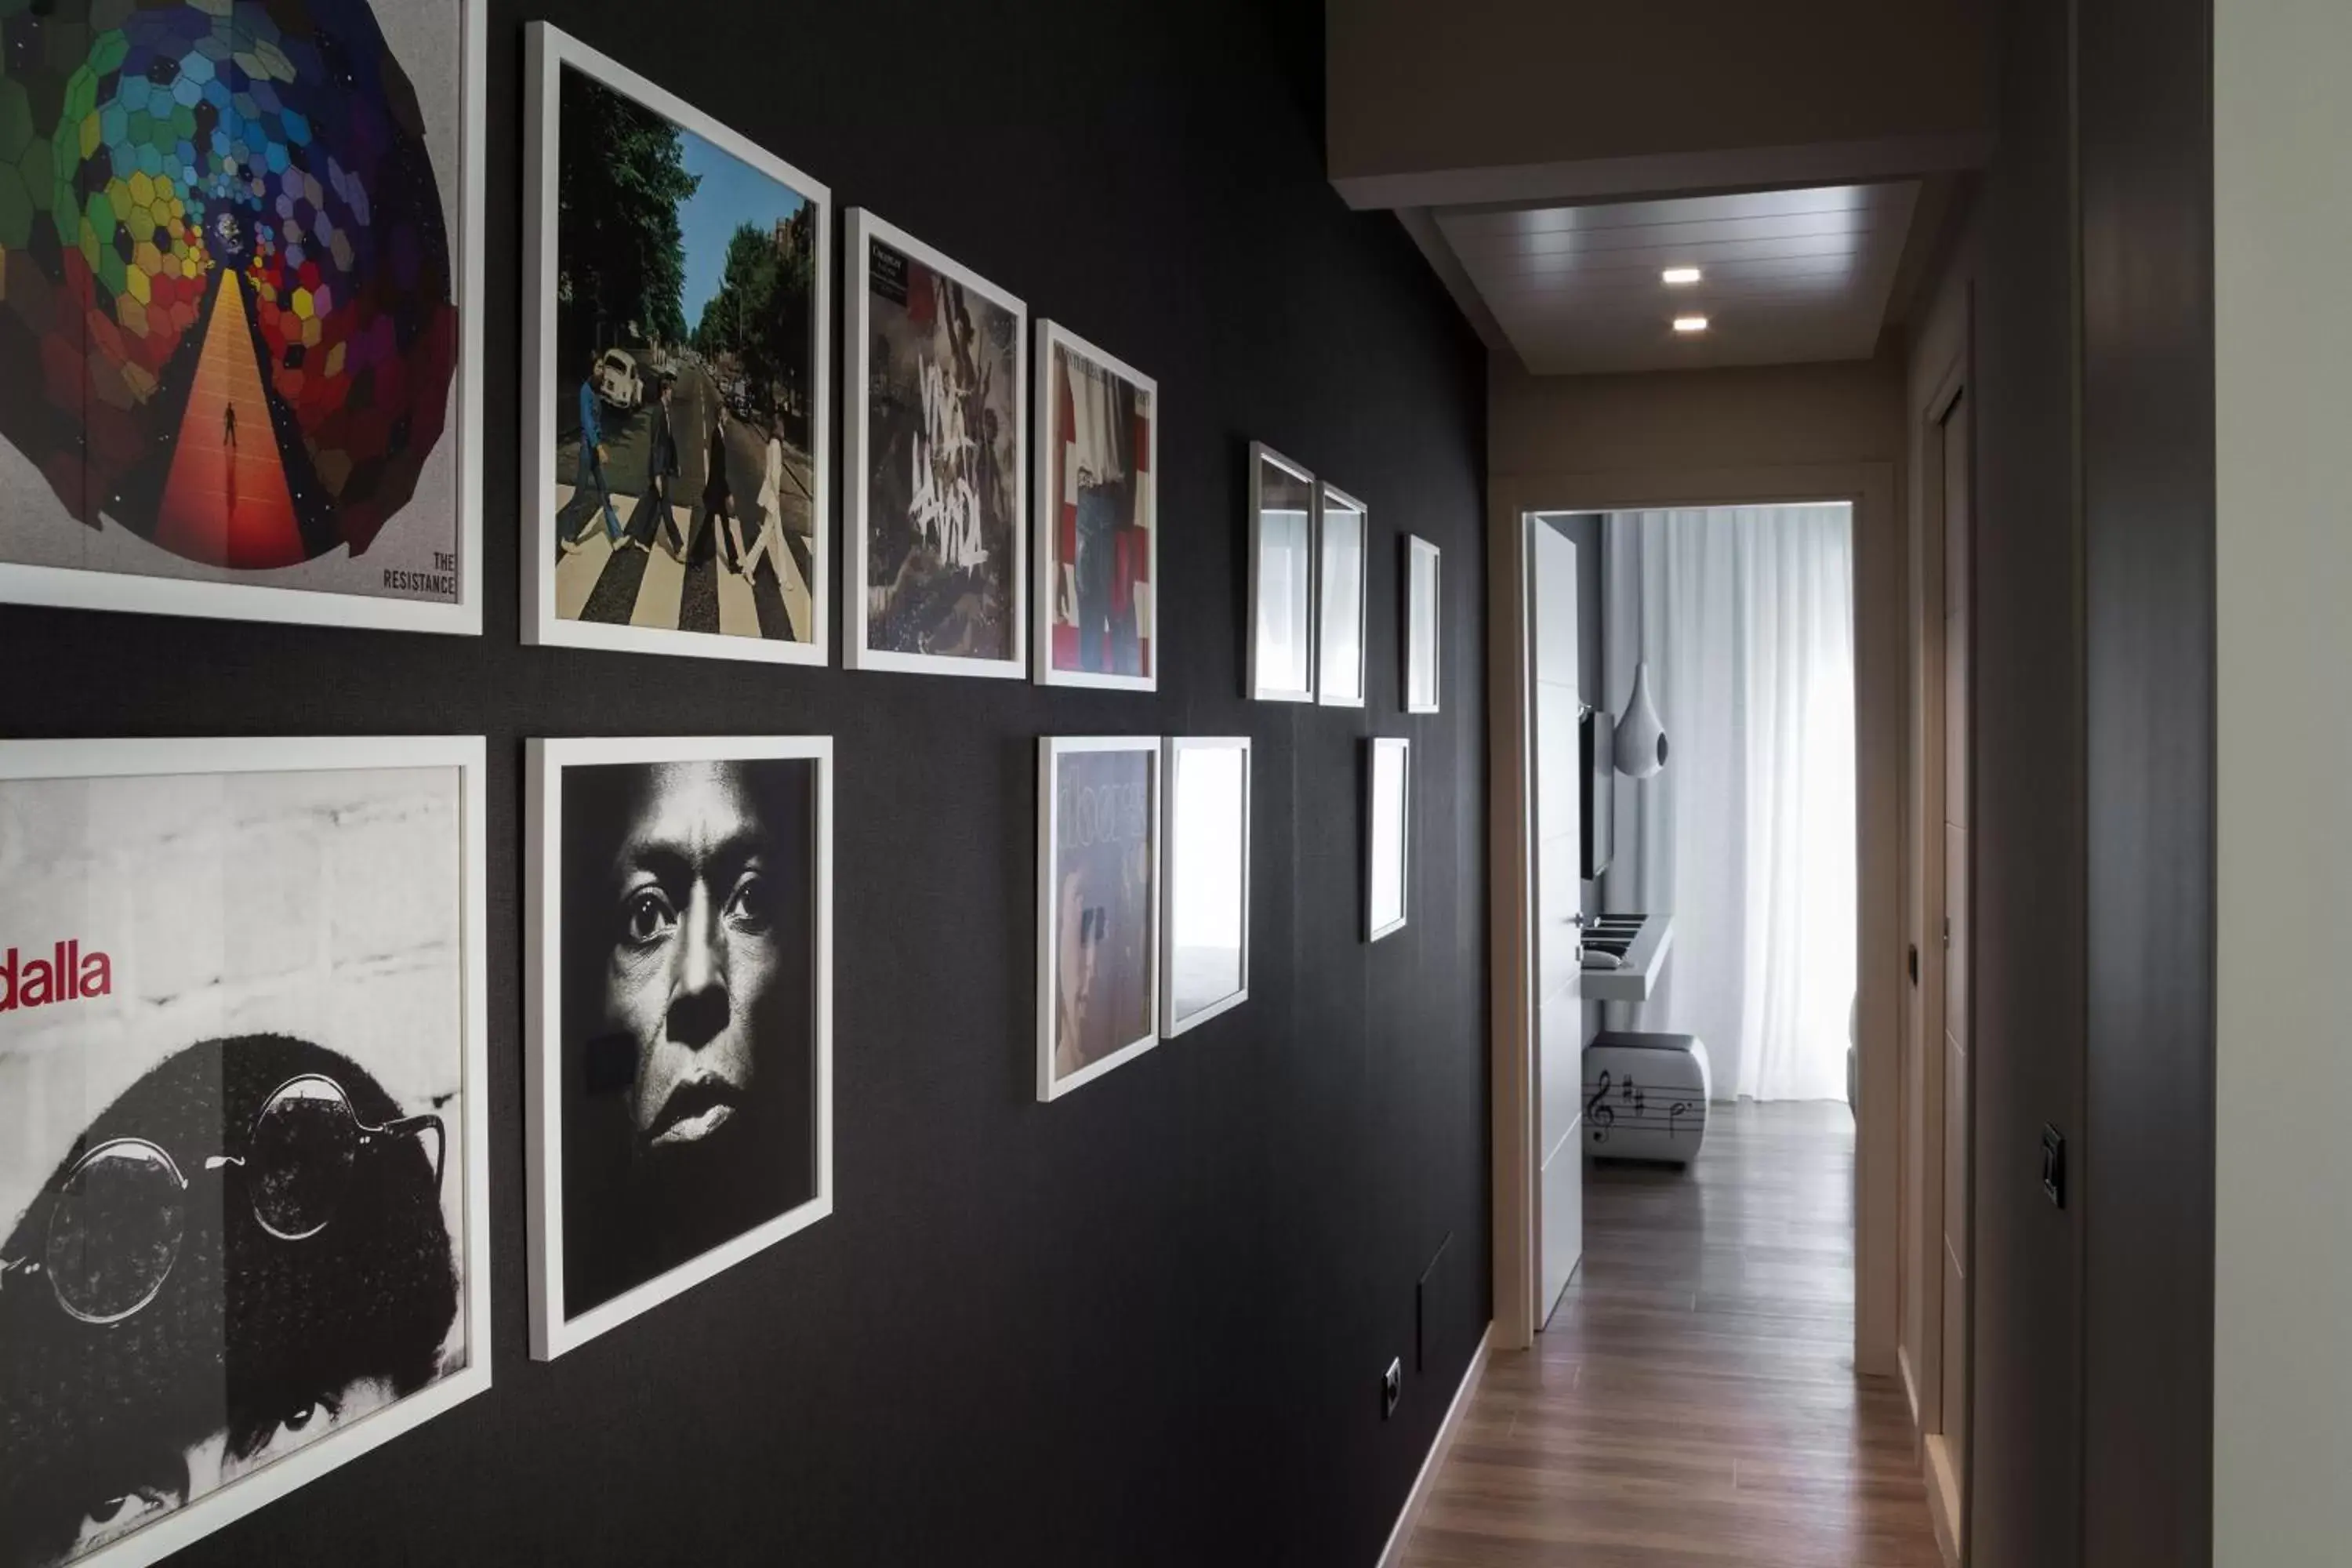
234 1191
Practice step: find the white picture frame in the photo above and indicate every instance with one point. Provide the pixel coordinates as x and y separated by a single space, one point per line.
468 1145
78 588
1423 640
549 52
1338 613
1388 835
1053 753
1284 567
553 1331
1176 851
861 229
1047 502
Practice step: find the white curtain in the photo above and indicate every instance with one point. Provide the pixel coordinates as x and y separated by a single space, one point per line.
1747 836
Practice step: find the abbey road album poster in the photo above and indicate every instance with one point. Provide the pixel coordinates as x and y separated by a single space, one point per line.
1098 906
674 414
1097 517
936 355
680 1023
239 309
242 1088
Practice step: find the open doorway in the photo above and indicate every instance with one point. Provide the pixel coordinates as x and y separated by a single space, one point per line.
1722 1311
1715 889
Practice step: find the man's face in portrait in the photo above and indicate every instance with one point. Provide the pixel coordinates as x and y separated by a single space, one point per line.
693 977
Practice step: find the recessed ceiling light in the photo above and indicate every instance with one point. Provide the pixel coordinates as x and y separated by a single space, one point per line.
1679 275
1690 323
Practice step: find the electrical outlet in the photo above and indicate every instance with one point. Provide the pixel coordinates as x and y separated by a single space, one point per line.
1391 1386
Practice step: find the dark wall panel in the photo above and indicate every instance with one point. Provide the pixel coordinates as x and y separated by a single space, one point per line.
1143 1325
2147 137
2026 1416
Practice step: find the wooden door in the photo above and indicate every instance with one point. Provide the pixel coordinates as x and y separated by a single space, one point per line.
1554 713
1957 942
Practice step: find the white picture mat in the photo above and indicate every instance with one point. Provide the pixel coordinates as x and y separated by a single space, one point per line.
79 589
1282 583
1047 506
548 51
1205 885
1051 749
469 1143
1388 835
1342 598
862 227
551 1333
1422 626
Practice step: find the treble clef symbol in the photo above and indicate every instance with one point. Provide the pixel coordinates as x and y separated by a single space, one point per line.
1597 1111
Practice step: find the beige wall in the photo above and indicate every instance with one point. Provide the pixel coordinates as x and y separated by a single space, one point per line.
1813 432
1772 415
1417 86
2283 1299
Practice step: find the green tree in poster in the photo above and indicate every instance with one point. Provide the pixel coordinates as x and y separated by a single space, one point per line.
620 256
760 316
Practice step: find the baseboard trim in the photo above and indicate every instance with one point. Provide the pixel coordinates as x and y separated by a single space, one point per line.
1910 1389
1393 1552
1943 1497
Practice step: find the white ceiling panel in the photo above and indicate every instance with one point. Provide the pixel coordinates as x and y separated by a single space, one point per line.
1787 275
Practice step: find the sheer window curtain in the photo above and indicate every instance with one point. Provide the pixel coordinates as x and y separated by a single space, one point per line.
1747 836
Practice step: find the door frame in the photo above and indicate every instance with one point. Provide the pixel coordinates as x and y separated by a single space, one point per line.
1881 748
1921 1234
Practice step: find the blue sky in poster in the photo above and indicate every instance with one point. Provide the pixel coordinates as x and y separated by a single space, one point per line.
732 192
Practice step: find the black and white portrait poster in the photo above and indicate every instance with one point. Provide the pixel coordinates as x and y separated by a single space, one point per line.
681 1049
937 361
240 1089
1098 958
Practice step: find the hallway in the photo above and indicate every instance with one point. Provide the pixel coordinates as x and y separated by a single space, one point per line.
1693 1403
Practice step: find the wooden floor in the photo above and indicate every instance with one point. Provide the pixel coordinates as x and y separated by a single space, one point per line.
1693 1403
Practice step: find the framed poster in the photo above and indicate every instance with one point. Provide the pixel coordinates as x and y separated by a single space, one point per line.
1342 587
937 365
1282 578
244 1206
1421 626
678 1011
1098 906
241 310
1097 518
1388 835
675 283
1205 933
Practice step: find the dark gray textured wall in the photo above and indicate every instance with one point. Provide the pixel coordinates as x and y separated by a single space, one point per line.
1143 1325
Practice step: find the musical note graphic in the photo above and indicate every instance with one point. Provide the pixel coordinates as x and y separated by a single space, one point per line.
1597 1113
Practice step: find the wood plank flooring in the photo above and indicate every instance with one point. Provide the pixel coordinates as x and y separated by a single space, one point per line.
1693 1403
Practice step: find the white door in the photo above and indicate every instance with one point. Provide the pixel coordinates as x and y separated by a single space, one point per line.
1558 791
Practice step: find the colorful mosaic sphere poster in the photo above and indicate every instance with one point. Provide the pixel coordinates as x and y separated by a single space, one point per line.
231 322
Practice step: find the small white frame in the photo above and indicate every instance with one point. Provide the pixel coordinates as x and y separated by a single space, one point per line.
548 51
1333 498
1262 689
552 1332
861 229
1051 749
1179 746
1374 747
1420 580
79 588
21 759
1052 335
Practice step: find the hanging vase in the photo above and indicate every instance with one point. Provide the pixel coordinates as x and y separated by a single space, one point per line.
1641 739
